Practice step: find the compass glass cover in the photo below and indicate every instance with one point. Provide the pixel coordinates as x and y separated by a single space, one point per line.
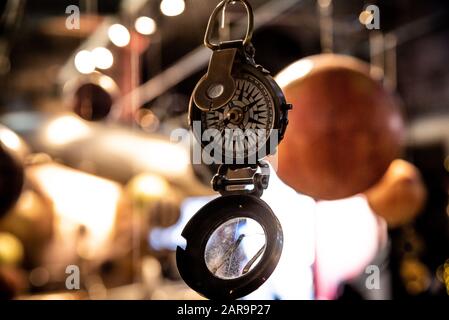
235 248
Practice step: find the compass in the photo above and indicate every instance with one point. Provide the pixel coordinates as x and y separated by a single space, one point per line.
248 127
239 115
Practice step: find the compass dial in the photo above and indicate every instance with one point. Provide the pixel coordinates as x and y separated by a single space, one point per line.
246 122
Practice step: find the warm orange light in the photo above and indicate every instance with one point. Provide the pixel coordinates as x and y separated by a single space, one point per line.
366 17
79 199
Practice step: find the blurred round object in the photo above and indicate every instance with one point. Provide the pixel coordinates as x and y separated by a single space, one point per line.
156 198
91 96
172 8
39 277
119 35
103 58
13 143
344 131
12 282
146 187
84 62
366 17
145 25
11 250
400 195
147 120
415 276
31 221
11 180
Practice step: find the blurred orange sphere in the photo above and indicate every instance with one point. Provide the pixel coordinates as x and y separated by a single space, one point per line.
400 195
345 127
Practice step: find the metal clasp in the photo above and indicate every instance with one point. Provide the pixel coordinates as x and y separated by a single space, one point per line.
217 87
222 6
259 180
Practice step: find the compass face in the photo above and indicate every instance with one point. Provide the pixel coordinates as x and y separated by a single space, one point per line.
243 125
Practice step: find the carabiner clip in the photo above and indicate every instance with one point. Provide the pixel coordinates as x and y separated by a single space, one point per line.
222 6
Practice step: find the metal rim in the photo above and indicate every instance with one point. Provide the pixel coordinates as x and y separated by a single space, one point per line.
191 263
278 101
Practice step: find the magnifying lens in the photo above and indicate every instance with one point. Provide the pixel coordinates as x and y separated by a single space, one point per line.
234 248
233 245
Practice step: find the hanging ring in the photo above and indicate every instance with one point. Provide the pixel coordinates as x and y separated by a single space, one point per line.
222 6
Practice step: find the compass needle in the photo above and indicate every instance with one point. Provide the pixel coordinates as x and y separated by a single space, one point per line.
253 259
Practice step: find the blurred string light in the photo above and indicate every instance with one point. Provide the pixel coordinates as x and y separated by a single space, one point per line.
172 8
84 62
366 17
11 249
119 35
103 58
13 142
10 139
145 25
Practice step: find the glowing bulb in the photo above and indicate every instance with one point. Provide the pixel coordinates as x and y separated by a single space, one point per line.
84 62
107 83
145 25
10 139
119 35
366 17
103 58
11 249
148 186
172 8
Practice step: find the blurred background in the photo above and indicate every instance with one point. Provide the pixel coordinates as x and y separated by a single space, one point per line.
92 90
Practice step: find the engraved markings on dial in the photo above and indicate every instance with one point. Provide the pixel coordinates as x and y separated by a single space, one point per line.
250 108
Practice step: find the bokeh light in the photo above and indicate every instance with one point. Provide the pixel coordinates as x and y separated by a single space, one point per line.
103 58
145 25
172 8
84 62
119 35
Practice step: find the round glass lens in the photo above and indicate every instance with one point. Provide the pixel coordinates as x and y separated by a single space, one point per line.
235 248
